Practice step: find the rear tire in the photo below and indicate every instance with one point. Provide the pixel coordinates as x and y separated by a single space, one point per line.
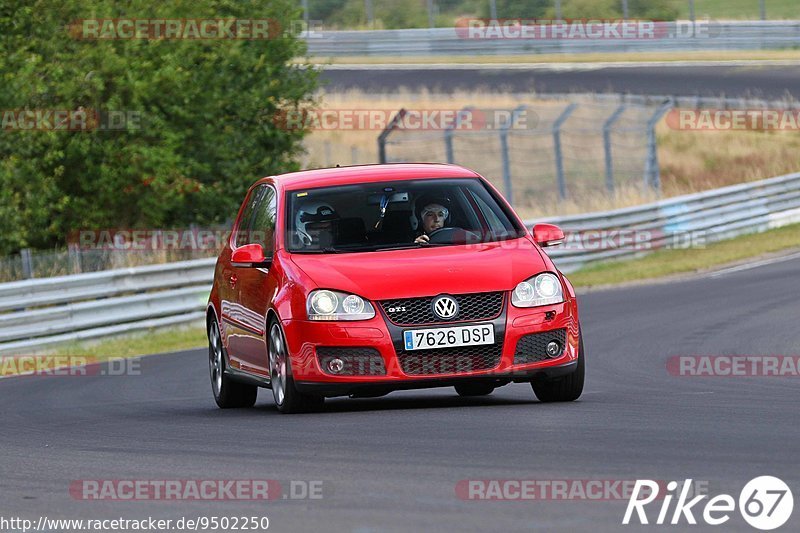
474 389
287 398
566 388
227 392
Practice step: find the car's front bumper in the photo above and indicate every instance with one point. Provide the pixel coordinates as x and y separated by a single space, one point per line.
306 339
379 388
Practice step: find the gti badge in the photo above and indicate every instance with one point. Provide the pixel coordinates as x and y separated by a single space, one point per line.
445 307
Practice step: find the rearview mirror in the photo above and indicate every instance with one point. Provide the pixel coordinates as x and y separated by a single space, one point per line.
394 198
250 256
547 235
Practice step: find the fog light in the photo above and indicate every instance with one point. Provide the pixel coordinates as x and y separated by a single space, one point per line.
335 365
553 349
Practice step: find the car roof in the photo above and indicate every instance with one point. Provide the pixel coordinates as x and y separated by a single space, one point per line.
326 177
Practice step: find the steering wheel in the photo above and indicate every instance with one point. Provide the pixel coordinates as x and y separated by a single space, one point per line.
452 236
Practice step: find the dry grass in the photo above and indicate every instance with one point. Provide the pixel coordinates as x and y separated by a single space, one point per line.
365 141
689 161
696 161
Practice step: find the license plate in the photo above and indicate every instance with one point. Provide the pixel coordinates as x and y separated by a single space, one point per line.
427 339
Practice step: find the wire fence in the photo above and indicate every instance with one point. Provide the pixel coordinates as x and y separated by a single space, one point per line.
30 263
561 146
545 151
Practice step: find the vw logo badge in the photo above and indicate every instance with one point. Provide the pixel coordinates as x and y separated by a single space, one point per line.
445 307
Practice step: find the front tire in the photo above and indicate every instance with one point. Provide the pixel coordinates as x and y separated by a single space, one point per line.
564 389
474 389
227 392
287 398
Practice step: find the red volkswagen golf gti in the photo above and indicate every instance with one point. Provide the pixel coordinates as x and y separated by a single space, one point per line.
363 280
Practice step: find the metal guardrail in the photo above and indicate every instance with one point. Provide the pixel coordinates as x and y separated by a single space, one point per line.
707 35
43 312
682 221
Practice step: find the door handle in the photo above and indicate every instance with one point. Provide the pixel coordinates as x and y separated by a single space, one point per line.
233 279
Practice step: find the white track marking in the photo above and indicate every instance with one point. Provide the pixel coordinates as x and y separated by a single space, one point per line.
756 264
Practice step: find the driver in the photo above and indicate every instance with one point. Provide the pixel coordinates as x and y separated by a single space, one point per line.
433 215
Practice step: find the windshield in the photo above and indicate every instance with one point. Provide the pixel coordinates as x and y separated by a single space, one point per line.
391 215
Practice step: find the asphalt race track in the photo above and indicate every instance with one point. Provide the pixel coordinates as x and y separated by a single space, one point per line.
392 463
770 82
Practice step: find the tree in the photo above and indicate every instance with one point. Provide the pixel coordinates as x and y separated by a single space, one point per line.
198 113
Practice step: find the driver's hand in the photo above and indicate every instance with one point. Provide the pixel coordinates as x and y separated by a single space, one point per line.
422 239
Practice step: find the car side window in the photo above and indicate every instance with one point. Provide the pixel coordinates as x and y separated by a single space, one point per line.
262 228
246 220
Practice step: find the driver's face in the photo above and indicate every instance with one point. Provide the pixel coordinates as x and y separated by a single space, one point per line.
433 217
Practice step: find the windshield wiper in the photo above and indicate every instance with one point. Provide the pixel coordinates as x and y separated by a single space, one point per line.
406 246
326 250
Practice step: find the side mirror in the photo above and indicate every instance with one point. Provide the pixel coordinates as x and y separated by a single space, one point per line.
250 256
547 235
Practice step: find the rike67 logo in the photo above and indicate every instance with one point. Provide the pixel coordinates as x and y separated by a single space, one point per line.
766 503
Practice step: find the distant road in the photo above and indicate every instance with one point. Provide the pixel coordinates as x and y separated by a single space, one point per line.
771 82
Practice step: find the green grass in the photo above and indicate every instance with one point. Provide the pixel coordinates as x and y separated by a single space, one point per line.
143 343
670 262
72 354
738 9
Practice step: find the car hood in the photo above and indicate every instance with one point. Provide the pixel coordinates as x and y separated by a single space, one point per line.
425 271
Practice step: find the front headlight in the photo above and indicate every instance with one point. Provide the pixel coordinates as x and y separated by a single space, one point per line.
333 305
544 289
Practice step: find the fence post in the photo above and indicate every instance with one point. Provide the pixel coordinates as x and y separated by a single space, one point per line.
75 257
385 134
27 263
652 174
504 153
370 13
448 134
607 146
448 145
562 183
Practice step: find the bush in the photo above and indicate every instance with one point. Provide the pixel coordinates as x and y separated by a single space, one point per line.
204 110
